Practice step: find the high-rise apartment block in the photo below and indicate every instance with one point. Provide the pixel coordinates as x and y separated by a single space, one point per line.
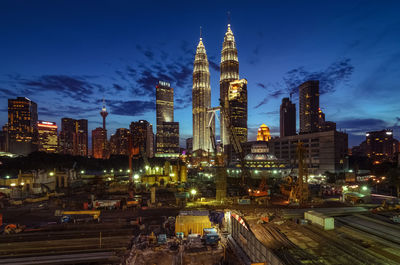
99 141
143 137
73 138
168 140
381 146
201 100
119 142
287 118
309 106
22 126
47 136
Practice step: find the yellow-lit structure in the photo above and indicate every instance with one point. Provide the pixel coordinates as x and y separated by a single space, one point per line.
189 224
168 174
263 133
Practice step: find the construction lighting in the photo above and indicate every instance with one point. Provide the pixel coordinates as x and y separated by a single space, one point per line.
193 192
136 177
51 173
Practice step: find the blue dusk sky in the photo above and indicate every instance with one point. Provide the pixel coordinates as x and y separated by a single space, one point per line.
67 55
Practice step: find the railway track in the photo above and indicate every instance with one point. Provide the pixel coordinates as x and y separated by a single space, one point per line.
64 234
351 252
388 232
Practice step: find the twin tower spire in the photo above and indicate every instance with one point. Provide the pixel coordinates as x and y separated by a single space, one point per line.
201 92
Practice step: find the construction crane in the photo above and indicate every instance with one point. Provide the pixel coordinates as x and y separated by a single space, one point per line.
299 192
234 139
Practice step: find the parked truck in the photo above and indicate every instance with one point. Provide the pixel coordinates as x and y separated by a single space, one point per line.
210 236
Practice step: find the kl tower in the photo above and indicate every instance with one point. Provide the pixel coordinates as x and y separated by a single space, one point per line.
104 114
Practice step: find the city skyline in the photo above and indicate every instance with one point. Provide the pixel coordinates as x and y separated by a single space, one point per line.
67 78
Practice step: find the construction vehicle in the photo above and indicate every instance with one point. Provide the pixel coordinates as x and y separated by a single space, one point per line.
262 193
78 216
13 229
210 236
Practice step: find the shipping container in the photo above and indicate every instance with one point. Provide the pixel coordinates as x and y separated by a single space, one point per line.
328 223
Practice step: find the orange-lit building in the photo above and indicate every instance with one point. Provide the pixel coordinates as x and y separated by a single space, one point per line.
99 142
263 133
48 138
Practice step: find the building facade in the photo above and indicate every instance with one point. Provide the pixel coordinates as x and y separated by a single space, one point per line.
99 140
381 146
325 151
201 100
237 107
309 106
168 140
119 142
22 126
143 136
48 136
164 103
73 138
229 72
287 118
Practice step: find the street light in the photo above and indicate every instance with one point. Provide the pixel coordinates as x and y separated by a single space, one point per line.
82 171
364 188
193 192
136 177
51 173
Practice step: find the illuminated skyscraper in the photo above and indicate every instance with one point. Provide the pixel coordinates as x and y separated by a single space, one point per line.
287 118
73 138
164 103
309 106
201 100
167 137
229 72
237 107
263 133
48 138
143 136
22 126
99 140
119 142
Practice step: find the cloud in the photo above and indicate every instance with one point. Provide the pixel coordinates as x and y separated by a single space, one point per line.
337 72
76 87
261 85
130 107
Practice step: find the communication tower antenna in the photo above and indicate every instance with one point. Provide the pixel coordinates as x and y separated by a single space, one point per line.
229 17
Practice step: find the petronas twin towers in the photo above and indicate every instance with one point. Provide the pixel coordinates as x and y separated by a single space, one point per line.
201 93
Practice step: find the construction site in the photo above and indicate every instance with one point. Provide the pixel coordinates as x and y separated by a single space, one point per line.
164 213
